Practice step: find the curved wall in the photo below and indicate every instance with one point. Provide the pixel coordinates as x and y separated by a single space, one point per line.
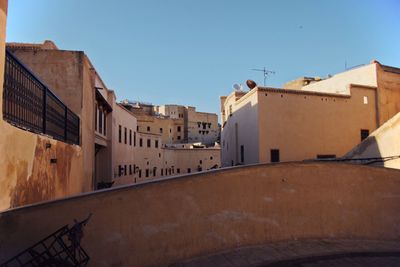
163 222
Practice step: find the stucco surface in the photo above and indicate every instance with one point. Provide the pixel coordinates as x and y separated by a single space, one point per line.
159 223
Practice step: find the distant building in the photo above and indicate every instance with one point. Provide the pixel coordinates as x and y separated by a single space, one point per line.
321 119
176 124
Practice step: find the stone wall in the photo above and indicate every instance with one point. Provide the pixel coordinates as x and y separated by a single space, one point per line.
155 224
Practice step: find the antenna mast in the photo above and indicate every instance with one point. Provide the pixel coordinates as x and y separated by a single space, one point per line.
265 72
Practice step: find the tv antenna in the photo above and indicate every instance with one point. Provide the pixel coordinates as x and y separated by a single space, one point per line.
265 72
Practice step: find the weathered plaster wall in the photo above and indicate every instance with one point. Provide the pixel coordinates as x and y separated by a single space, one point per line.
26 174
389 92
159 223
382 143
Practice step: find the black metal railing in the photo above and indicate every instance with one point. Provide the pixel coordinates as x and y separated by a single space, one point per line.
30 104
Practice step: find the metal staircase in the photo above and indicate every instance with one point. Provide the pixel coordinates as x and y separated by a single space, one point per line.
61 248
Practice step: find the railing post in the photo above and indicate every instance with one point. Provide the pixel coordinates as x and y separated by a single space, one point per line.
44 109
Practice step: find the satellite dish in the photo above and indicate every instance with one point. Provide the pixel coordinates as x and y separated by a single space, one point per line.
251 84
237 87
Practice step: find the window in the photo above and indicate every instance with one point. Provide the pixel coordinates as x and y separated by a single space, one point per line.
326 156
242 153
134 138
140 173
161 130
170 130
130 137
147 172
120 133
159 155
156 143
137 128
100 121
365 100
148 128
179 128
125 170
204 125
201 162
162 172
148 142
274 155
140 142
179 137
189 170
178 170
125 134
134 168
105 121
211 157
154 171
119 170
364 134
95 118
130 169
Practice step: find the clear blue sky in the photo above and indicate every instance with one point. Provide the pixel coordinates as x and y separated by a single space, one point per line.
192 52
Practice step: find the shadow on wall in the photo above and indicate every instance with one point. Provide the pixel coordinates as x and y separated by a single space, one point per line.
159 223
240 136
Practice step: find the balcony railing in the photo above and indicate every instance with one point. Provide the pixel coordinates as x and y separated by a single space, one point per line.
30 104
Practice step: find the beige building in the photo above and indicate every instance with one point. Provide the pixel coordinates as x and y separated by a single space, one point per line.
322 119
141 156
38 162
176 124
74 79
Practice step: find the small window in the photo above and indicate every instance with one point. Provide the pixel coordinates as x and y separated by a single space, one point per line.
125 134
134 138
130 169
178 170
148 142
120 134
364 134
328 156
119 170
365 100
211 157
156 143
189 170
137 128
179 128
201 162
148 128
170 130
154 171
162 172
147 172
241 153
140 142
105 122
130 137
179 137
161 130
140 173
125 170
275 155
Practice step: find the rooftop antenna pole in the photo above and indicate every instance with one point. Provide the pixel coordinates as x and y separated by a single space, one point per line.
265 72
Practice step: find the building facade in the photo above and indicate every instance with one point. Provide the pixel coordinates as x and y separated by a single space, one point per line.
323 119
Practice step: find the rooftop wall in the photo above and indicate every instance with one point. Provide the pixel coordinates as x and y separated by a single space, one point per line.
155 224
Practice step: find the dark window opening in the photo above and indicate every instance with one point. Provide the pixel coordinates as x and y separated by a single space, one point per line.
156 143
242 153
364 134
326 156
125 134
179 128
148 128
130 137
134 138
120 133
161 130
275 155
140 142
148 143
147 172
189 170
140 173
178 170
